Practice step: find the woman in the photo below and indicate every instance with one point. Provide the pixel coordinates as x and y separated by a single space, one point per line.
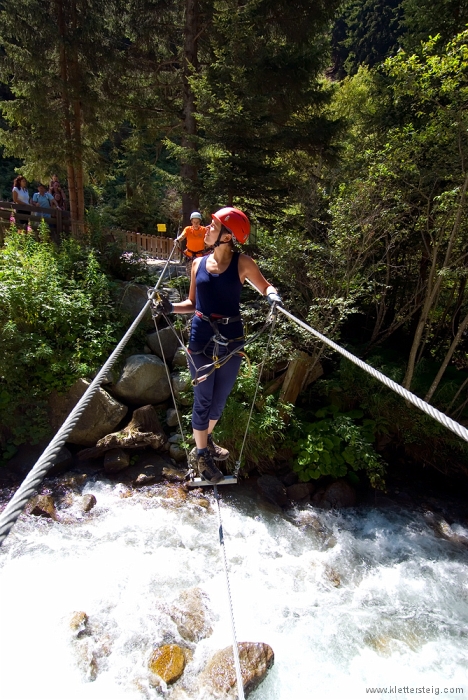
194 236
57 193
59 200
20 194
20 190
214 298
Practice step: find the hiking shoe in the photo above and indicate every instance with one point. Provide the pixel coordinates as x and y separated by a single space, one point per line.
205 466
218 453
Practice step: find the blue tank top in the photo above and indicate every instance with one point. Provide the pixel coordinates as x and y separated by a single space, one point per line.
216 294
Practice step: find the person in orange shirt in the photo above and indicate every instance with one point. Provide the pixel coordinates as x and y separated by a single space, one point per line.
195 238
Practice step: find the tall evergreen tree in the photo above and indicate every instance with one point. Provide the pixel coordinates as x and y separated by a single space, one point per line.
55 64
423 19
260 96
366 33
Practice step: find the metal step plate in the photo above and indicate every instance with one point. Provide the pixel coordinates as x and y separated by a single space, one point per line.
198 481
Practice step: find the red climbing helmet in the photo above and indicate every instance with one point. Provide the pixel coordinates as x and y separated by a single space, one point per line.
235 221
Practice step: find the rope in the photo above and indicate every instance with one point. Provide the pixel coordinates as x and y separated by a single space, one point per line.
440 417
235 648
179 421
260 371
34 478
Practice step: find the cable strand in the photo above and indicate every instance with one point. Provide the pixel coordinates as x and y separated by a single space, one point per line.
34 478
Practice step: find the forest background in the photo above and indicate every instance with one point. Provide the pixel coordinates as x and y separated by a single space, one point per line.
340 128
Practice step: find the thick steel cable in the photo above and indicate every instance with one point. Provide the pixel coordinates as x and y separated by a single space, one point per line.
235 648
34 478
440 417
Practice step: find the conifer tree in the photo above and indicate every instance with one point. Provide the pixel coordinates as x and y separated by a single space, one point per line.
54 63
260 98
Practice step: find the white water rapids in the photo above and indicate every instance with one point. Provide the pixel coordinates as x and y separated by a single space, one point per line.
348 600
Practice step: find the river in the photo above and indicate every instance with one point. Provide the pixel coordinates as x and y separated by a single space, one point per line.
349 601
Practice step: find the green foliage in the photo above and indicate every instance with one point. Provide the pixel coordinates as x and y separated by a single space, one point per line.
337 446
425 18
266 425
398 213
260 100
399 425
365 33
57 321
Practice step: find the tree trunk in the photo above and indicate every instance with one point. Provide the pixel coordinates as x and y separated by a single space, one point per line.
188 169
79 164
66 112
434 283
77 120
456 397
447 358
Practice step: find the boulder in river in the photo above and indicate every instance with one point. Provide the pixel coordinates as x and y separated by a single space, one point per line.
144 430
132 297
443 529
167 662
340 494
219 676
182 388
272 489
88 502
78 622
147 470
298 492
102 414
115 460
43 506
27 456
143 380
174 473
169 343
190 613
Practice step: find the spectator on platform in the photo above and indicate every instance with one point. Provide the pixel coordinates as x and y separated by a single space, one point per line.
54 179
59 201
43 199
21 196
56 189
20 190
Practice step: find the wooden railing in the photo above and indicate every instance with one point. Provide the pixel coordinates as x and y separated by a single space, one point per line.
25 214
157 246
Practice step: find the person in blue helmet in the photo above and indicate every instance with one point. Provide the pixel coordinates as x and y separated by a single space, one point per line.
214 299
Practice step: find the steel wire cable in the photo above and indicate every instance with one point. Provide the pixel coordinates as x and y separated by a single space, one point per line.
443 419
235 647
260 371
34 478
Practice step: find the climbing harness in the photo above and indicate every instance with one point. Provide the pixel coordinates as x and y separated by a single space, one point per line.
203 372
195 253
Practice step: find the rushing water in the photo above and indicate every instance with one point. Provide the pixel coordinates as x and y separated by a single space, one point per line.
347 600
